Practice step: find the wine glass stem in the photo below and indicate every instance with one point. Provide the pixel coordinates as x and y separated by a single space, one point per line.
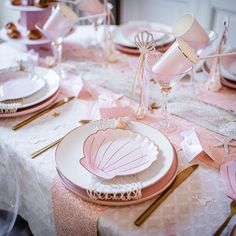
165 95
57 48
192 77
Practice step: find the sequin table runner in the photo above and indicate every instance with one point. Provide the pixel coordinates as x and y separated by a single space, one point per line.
72 215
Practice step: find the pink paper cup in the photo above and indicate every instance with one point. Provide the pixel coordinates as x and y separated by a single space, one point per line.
60 22
188 29
92 7
179 58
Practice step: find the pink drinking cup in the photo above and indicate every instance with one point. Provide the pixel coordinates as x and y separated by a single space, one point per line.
60 22
188 29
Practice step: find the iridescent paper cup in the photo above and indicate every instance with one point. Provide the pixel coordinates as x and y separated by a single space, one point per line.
91 6
179 58
60 22
188 29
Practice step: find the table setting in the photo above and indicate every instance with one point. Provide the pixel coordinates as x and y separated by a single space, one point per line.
113 139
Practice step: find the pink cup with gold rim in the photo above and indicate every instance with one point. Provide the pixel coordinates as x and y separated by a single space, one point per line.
60 22
188 29
91 6
179 58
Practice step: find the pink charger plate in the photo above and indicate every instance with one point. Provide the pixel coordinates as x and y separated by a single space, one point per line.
224 81
229 63
147 193
130 51
32 109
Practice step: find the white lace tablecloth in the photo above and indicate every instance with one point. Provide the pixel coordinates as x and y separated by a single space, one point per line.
197 207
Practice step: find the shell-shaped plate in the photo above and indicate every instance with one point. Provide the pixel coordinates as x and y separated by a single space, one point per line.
116 152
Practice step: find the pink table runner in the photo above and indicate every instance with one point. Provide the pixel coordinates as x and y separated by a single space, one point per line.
72 215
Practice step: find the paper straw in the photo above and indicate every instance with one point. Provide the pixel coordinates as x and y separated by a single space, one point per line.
91 16
75 2
218 55
156 30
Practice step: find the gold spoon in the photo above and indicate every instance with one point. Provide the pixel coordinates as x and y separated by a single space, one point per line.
232 213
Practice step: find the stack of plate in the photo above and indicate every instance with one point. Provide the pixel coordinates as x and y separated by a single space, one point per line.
227 68
153 179
124 36
31 91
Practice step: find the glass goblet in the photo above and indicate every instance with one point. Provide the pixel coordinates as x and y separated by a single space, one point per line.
57 48
57 27
199 48
166 83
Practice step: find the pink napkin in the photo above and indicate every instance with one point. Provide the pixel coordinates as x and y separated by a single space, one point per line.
199 148
111 105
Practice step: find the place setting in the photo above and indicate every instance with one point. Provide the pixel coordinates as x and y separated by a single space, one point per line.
144 151
121 174
24 92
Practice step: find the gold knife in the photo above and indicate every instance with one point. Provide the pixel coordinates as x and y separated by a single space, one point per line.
39 114
180 178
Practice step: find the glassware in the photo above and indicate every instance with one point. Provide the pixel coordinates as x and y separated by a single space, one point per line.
199 50
166 82
9 197
56 28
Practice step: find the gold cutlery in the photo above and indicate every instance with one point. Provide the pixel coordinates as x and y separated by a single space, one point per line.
41 150
180 178
39 114
232 213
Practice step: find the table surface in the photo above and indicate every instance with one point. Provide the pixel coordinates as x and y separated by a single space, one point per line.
198 206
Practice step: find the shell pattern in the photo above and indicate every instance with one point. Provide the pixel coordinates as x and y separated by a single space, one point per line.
116 152
145 42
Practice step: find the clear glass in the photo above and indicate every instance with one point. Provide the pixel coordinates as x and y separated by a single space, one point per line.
57 51
166 83
9 194
199 50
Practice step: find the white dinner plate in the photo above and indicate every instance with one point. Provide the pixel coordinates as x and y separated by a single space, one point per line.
31 109
23 8
227 68
52 83
124 34
70 151
224 81
146 193
19 84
